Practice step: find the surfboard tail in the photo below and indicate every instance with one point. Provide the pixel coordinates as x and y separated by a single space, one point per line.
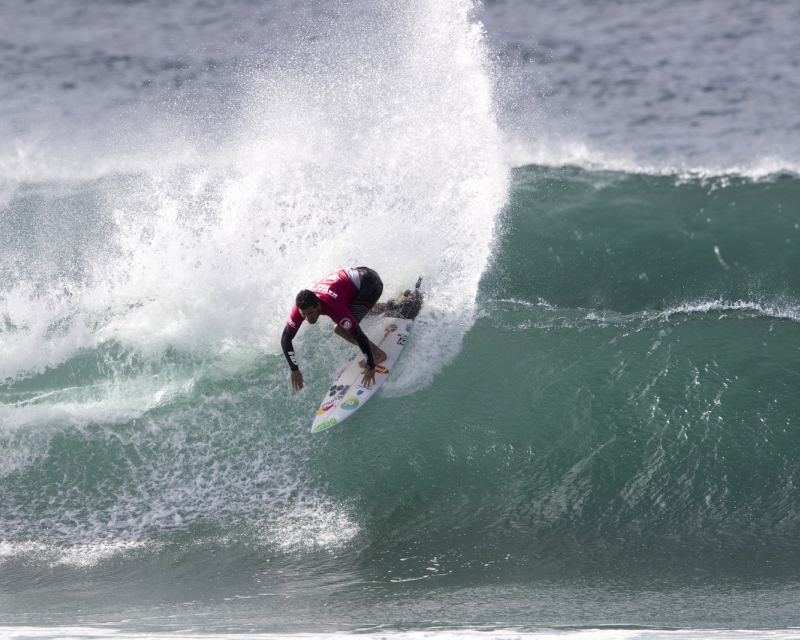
411 303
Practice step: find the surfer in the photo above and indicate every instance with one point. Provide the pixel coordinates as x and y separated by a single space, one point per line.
346 297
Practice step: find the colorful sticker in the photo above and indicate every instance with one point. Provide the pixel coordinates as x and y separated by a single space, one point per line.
408 327
325 425
381 369
339 391
350 404
390 329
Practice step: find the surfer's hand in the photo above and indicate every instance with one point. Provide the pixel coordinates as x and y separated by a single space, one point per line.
297 379
369 377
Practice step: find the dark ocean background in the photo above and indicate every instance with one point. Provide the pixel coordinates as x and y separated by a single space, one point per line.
593 431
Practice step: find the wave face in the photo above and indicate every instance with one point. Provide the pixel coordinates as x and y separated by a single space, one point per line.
622 411
595 422
650 323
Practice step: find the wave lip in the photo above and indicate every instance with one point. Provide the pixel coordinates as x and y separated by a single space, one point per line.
778 311
77 555
583 156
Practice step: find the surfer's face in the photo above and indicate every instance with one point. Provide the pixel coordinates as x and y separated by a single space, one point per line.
310 314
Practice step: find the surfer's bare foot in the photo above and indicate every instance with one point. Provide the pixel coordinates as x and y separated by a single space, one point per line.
378 354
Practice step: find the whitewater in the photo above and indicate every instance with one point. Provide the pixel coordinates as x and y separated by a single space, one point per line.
593 432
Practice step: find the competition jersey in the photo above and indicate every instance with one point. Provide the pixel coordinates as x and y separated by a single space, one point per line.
334 292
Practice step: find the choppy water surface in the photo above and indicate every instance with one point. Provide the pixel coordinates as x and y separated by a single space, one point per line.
593 432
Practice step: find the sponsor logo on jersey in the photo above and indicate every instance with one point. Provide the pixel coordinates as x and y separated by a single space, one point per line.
324 289
291 323
346 324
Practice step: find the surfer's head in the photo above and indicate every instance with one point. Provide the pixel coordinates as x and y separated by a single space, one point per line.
309 306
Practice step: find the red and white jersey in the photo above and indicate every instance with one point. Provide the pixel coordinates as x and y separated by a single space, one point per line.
334 292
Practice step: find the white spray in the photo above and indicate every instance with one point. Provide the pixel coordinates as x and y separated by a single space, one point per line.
378 147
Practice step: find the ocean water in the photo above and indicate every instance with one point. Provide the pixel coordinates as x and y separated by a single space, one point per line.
593 432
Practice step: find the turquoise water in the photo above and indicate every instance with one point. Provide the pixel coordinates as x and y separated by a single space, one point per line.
620 418
592 432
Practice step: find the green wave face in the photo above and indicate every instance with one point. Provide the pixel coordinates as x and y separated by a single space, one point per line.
622 414
627 243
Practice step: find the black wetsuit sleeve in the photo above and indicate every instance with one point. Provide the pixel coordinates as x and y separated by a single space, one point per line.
366 349
288 349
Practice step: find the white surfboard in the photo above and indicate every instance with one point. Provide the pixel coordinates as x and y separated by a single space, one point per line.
347 394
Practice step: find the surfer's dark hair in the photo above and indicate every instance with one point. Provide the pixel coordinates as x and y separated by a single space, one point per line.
306 299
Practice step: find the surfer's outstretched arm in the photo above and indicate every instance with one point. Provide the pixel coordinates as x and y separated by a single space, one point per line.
366 347
372 353
288 352
369 365
297 379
